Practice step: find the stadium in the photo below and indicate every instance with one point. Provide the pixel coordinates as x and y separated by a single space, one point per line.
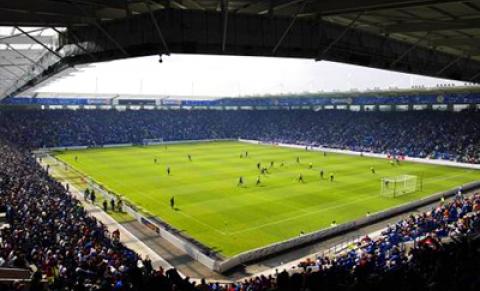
273 189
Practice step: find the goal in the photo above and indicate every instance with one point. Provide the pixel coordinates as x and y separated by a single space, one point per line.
152 141
400 185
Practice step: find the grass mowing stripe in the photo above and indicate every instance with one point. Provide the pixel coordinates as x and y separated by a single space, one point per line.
304 214
231 219
369 197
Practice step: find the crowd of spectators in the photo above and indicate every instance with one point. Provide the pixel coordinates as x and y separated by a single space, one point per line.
395 246
433 134
50 232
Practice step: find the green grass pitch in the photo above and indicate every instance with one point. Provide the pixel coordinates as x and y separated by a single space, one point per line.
231 219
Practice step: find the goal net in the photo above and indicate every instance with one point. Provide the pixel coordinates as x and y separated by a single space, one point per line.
152 141
397 186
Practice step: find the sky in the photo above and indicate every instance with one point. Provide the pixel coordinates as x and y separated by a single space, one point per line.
229 76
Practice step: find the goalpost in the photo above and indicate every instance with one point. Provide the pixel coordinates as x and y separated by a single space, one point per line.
396 186
152 141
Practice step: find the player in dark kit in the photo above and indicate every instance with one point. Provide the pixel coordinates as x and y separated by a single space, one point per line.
258 181
300 178
264 171
332 177
155 160
172 202
240 181
189 157
298 160
246 154
258 165
168 170
372 169
321 174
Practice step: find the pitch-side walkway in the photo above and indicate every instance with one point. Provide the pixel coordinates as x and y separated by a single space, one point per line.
142 240
147 243
126 237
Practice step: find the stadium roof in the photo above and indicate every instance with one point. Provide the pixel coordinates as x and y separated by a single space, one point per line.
19 54
437 38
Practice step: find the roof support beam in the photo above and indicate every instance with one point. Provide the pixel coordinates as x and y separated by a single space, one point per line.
24 40
282 5
193 4
224 8
14 35
475 77
453 62
76 42
157 27
322 54
119 46
457 41
392 65
95 23
336 7
14 66
433 25
289 27
39 42
24 56
43 7
8 53
10 72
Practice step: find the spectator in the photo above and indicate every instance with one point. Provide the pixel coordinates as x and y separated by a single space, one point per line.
93 196
112 204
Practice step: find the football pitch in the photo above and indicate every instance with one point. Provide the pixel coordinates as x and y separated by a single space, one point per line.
214 210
